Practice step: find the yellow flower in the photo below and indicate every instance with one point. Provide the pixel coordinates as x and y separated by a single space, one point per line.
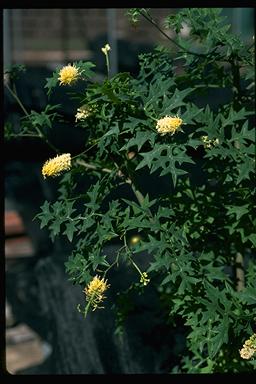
168 124
68 74
209 143
247 353
95 291
144 278
55 166
249 348
83 112
106 49
135 240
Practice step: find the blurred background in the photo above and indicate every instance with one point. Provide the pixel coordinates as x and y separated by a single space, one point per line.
43 38
43 330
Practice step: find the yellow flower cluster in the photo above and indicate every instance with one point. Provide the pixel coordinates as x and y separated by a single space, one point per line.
106 49
83 112
144 278
95 291
68 74
249 348
209 143
55 166
169 124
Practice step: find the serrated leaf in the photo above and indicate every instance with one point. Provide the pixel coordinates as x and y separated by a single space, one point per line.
166 162
244 170
51 82
85 68
55 226
220 338
243 134
176 100
113 131
239 211
248 295
140 139
70 230
45 216
97 259
252 238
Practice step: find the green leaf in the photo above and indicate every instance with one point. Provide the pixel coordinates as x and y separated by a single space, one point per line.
248 295
51 82
140 139
252 238
77 267
220 338
55 226
176 100
70 230
45 216
113 131
243 134
209 367
164 157
88 222
234 116
85 68
97 259
244 169
239 211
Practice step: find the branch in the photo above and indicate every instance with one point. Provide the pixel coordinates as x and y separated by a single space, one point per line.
137 193
239 268
92 166
236 82
17 99
148 17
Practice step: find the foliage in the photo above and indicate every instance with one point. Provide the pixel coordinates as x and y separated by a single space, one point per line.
199 231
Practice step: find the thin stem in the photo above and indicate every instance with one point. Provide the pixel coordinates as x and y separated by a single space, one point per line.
50 144
239 271
206 86
14 95
40 133
129 257
86 150
236 81
92 166
137 193
24 135
87 309
148 17
93 145
107 62
135 265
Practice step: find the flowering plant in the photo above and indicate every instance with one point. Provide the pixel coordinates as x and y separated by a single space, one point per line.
197 229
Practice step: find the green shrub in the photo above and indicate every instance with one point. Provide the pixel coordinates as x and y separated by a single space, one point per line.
198 232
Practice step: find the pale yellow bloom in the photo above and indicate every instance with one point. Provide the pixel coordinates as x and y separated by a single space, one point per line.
144 278
247 353
209 143
169 124
58 164
106 49
249 348
95 291
68 74
83 112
